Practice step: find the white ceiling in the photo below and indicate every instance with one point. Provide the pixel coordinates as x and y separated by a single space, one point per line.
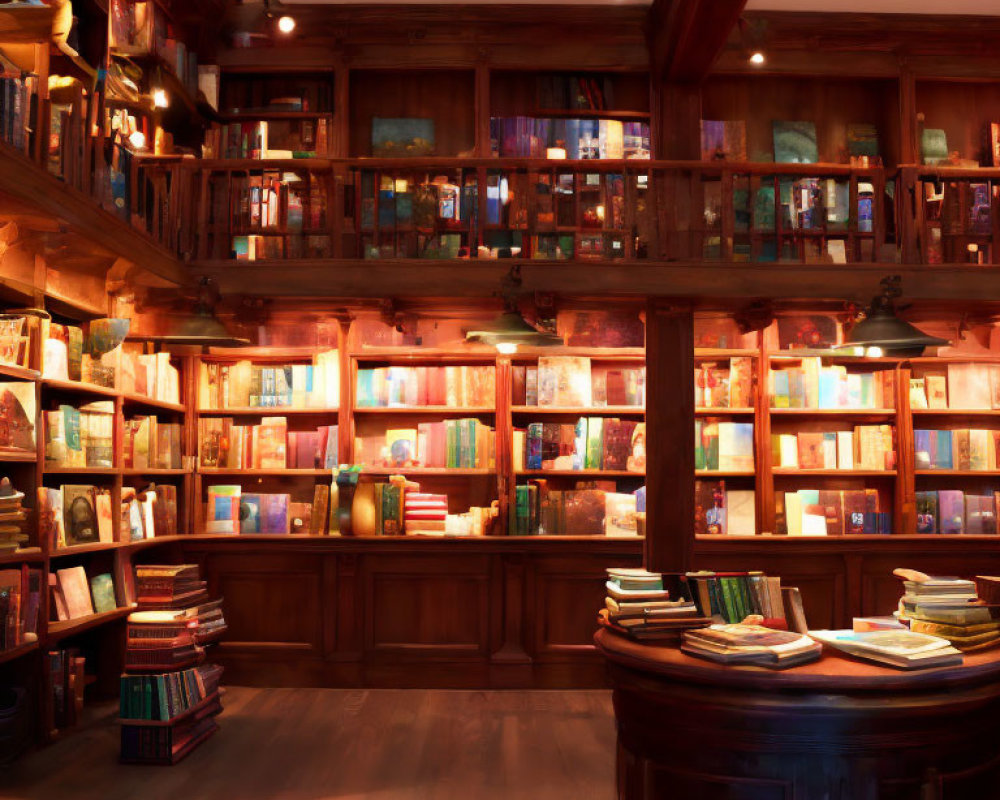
971 7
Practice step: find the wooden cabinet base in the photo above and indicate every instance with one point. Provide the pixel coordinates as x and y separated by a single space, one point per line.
691 729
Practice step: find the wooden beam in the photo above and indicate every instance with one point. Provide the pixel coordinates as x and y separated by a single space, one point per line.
686 36
427 278
25 182
669 436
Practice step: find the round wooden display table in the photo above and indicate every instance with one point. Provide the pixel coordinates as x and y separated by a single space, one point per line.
836 729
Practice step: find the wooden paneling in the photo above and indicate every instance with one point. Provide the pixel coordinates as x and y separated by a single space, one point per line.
433 612
447 97
828 102
336 611
963 109
434 606
270 603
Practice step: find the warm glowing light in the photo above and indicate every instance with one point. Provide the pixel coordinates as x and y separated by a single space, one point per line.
757 58
160 99
600 213
556 153
137 140
506 348
286 24
973 247
874 352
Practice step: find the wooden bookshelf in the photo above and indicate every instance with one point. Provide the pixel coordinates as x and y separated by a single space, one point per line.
26 555
11 371
14 653
585 411
18 456
79 387
205 704
144 401
270 411
71 627
435 411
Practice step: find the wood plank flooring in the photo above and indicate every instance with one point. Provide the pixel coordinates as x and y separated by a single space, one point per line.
321 744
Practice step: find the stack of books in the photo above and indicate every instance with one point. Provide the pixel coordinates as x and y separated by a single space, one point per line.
640 607
12 517
733 596
424 512
751 644
169 698
20 600
156 641
169 586
902 649
952 610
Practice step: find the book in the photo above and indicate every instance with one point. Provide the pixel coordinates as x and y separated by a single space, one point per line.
75 592
223 509
896 648
750 644
795 142
933 145
102 591
723 140
79 516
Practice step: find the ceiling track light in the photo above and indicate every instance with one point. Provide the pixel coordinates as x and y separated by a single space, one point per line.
284 22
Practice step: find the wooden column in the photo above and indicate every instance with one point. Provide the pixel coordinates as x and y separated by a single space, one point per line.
669 436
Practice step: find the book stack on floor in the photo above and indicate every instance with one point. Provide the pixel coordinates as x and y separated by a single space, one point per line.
964 613
641 607
169 697
12 516
752 645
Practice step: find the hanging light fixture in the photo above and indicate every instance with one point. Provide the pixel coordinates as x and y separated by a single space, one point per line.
202 327
510 330
881 332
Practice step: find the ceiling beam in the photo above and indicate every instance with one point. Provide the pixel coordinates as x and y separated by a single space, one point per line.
466 279
686 36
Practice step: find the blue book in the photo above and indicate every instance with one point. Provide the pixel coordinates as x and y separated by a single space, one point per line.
922 448
640 499
942 457
829 388
366 392
249 513
533 443
781 397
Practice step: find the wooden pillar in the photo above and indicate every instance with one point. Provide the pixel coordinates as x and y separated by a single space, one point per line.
909 152
678 122
669 436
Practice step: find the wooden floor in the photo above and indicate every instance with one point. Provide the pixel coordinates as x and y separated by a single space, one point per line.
321 744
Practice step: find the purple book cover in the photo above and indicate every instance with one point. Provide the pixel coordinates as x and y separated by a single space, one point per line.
274 513
951 507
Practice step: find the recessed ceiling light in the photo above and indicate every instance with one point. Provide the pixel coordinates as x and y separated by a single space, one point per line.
757 58
286 24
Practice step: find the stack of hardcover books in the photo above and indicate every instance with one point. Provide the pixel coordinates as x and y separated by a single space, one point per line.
751 644
640 606
169 697
12 518
963 612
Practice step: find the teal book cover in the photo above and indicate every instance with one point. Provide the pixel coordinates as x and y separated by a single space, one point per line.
795 142
102 591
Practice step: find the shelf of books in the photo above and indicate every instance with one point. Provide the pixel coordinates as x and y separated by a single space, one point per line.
268 439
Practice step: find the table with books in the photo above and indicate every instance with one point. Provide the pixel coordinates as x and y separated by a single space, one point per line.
828 724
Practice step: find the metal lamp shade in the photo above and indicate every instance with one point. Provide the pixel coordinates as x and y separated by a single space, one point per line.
511 328
883 329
